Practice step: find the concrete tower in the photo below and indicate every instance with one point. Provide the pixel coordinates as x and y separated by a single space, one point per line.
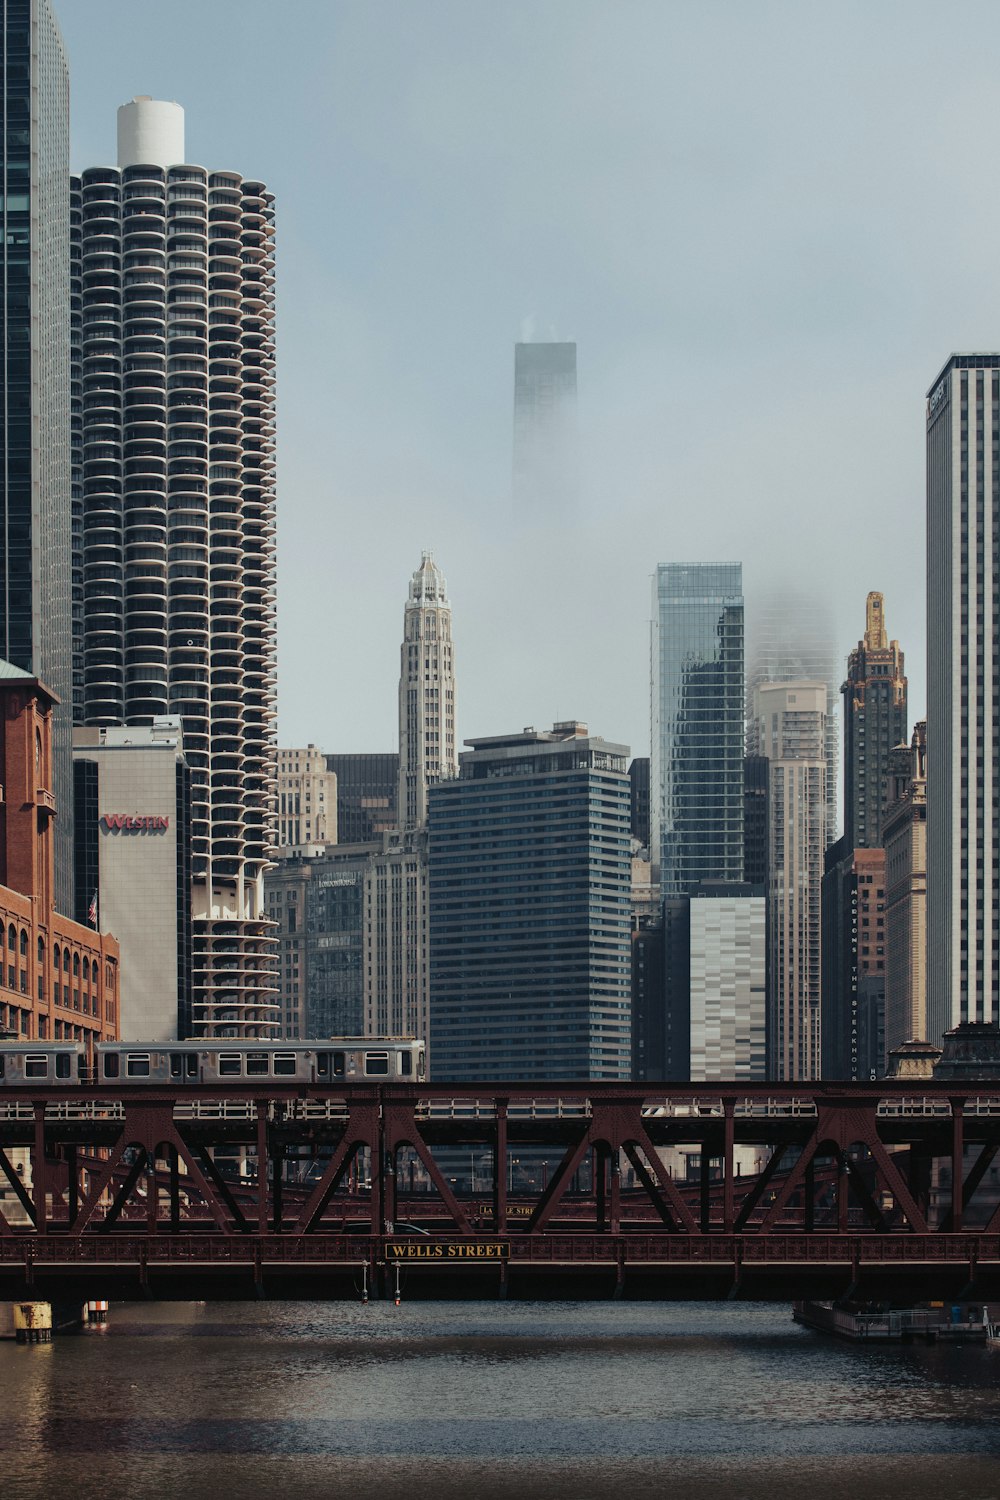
173 370
963 694
427 751
789 722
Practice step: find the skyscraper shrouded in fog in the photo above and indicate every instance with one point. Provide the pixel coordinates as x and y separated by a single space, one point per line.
789 726
792 639
173 376
546 470
427 750
36 626
696 772
963 693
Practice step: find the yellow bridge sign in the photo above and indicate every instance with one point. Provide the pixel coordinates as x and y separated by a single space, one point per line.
442 1250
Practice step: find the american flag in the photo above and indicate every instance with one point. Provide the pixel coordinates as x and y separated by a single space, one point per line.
92 910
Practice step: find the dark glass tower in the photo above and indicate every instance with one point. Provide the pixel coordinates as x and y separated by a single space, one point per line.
35 540
696 777
874 724
529 910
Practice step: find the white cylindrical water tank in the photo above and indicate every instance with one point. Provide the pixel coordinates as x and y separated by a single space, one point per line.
150 133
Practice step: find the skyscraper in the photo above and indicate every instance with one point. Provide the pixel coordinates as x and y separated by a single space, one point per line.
173 360
546 460
874 723
529 909
791 639
963 693
696 773
427 750
36 625
789 726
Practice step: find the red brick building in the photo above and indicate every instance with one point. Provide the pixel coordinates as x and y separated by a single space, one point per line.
58 979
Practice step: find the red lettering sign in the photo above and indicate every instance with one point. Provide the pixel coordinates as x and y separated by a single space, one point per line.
133 823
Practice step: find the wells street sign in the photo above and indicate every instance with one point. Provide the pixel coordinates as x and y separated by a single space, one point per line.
421 1249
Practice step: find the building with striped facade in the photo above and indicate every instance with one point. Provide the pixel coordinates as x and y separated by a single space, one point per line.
174 494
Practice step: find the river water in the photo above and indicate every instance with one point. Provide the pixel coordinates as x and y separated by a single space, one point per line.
480 1400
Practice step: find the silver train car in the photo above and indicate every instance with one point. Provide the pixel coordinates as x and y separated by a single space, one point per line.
329 1061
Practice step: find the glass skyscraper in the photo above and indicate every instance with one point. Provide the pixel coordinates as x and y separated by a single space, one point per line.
530 958
35 603
696 780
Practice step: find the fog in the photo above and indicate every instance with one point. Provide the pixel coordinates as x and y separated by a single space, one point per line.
766 227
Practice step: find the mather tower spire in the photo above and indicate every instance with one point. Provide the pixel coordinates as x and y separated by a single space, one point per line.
426 693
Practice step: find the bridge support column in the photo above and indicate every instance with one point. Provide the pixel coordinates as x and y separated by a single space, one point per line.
500 1172
39 1182
957 1162
728 1214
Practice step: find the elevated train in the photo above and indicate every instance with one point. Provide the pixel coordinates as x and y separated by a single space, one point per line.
332 1061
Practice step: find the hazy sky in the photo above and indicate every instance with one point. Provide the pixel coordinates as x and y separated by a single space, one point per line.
765 225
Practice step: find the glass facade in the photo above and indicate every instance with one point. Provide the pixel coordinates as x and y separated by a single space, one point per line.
35 609
529 912
366 795
696 791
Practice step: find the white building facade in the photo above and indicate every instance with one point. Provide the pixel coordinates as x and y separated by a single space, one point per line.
728 994
134 867
427 749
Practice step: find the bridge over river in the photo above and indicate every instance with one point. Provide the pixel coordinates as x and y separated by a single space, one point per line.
887 1190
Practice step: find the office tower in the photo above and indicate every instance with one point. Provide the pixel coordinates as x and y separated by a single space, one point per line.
789 726
638 775
529 909
546 458
173 358
352 936
427 751
853 962
366 795
307 798
791 638
874 723
755 821
133 867
726 976
36 623
59 979
696 771
904 830
963 694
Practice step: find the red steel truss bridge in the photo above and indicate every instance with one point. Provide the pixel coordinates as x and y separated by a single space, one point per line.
885 1190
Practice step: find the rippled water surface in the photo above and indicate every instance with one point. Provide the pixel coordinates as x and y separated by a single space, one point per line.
489 1399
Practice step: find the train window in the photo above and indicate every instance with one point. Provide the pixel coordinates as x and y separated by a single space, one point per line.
36 1065
284 1062
339 1065
230 1065
256 1063
421 1063
184 1065
63 1061
137 1065
111 1064
376 1064
3 1065
404 1064
322 1064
